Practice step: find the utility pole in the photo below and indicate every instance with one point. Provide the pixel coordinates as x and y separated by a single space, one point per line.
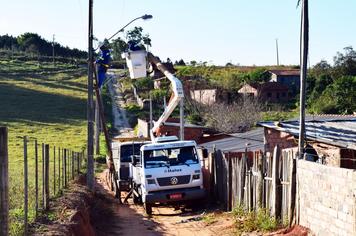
53 49
277 52
90 104
303 73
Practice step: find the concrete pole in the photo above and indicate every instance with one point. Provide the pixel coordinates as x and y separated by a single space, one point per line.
303 74
90 104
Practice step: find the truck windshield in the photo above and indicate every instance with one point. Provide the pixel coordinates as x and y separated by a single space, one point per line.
170 157
128 150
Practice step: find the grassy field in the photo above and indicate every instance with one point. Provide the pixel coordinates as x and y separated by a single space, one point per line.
49 107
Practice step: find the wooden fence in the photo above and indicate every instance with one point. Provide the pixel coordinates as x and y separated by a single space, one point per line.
254 180
52 171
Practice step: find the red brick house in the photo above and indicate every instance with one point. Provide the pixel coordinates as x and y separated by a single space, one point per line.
273 92
287 77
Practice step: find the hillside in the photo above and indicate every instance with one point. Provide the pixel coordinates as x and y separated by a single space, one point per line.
45 103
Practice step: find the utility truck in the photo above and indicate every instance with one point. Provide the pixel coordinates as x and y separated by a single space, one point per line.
167 170
124 150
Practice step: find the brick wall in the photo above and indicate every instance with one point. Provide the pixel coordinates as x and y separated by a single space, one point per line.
327 199
274 137
330 154
189 133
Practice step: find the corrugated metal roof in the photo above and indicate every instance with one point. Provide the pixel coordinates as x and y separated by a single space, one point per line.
237 142
337 132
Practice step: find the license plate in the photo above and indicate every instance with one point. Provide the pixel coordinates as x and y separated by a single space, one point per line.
175 196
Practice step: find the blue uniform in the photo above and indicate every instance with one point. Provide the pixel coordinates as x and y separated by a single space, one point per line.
103 63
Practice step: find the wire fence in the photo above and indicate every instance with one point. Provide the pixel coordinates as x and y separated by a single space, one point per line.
41 177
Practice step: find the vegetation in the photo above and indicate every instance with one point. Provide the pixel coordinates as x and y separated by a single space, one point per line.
249 221
35 44
48 107
332 89
134 36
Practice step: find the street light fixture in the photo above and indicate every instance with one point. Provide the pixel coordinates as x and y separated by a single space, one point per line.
144 17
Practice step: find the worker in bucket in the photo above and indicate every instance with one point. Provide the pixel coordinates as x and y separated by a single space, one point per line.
103 64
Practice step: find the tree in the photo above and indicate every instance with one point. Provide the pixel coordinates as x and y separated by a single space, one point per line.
338 97
229 64
193 63
118 46
237 117
345 64
181 63
136 36
259 75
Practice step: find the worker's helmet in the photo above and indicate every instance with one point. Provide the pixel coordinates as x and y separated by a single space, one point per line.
104 46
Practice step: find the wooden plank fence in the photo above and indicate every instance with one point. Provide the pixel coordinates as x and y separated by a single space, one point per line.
254 180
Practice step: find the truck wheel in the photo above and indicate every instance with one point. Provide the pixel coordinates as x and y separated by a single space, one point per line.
148 208
117 191
136 199
112 178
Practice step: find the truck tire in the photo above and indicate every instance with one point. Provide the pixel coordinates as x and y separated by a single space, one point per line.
136 199
117 190
148 208
112 178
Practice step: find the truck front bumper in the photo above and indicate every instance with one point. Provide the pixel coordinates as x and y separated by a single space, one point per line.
164 196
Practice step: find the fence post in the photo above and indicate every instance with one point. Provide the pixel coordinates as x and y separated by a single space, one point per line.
54 170
63 164
59 169
243 177
73 169
36 177
65 167
46 203
259 182
4 183
276 184
293 189
43 176
25 176
78 163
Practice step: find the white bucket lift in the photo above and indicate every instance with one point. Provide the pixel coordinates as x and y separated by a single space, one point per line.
136 63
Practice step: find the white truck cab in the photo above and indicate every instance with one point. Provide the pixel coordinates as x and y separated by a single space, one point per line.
167 173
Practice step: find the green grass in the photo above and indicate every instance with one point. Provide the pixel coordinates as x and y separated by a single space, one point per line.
250 221
48 107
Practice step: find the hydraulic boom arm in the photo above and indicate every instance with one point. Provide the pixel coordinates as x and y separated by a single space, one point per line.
178 93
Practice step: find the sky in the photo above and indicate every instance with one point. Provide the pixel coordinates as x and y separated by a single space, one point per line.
216 31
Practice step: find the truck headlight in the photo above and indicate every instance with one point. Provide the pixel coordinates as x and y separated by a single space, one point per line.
151 181
196 176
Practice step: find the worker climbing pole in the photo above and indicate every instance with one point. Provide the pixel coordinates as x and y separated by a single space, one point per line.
103 64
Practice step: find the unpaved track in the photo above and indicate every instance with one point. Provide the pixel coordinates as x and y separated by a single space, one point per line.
129 219
111 218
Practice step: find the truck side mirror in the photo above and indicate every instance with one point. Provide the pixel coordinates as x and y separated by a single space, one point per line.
205 153
133 160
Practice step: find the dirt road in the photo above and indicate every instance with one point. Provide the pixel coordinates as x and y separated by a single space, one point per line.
111 218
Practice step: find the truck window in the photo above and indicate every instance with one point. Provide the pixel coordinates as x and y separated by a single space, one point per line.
127 151
170 157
